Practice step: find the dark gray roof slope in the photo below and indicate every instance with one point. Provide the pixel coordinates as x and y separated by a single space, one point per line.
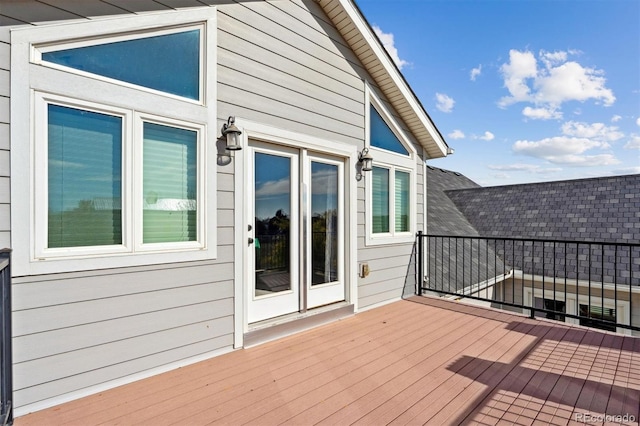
603 209
443 217
598 209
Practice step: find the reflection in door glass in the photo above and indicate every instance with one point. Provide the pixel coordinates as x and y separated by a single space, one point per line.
272 222
324 223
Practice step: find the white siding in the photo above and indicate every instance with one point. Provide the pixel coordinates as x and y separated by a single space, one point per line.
278 64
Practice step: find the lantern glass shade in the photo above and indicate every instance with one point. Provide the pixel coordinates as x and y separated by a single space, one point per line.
232 133
367 162
233 141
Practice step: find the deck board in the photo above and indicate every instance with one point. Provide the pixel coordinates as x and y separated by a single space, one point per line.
418 361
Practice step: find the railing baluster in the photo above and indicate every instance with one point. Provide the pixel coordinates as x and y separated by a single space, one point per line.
565 277
538 269
6 359
602 286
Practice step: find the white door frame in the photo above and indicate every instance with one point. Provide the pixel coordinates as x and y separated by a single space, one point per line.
266 133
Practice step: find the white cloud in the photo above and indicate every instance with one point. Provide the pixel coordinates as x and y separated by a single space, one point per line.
273 188
549 81
638 121
572 82
456 134
518 167
616 118
475 72
531 168
387 40
488 136
597 131
566 150
553 58
634 143
542 113
627 171
521 67
444 102
557 146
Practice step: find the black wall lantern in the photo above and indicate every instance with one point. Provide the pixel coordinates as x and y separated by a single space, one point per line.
366 160
232 134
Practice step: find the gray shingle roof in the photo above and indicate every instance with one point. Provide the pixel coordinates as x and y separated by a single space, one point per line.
603 209
597 209
444 218
443 215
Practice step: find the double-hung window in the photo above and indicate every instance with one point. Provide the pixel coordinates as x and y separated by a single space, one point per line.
120 168
391 201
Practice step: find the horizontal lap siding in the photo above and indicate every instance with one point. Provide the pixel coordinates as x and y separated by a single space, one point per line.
276 68
77 330
277 64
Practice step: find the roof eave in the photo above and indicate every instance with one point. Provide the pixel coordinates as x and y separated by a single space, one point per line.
347 16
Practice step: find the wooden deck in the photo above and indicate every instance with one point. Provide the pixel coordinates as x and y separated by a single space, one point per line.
412 362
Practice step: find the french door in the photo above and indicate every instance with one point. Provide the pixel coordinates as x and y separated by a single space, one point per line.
296 230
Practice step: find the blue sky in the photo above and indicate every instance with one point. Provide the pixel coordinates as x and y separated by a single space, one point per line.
524 91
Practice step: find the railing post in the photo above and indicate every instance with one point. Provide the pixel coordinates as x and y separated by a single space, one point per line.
6 361
419 266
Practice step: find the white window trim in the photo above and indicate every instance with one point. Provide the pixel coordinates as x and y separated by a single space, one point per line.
39 49
571 304
24 132
380 154
392 161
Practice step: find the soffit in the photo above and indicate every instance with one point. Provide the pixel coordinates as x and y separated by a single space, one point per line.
358 34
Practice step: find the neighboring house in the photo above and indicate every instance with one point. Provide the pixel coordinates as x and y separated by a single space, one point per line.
140 243
603 209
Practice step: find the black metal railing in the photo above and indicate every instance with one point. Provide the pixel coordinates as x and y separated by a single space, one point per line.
595 284
6 374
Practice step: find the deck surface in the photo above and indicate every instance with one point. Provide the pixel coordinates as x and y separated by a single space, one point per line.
416 361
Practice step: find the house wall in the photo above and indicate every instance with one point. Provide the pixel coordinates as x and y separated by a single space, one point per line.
5 66
392 266
280 63
512 291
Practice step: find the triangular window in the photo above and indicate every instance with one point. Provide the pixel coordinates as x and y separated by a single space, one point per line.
169 63
382 136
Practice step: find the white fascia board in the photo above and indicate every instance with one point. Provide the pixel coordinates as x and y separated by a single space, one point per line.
363 27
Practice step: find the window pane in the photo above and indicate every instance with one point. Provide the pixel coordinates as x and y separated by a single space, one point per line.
169 63
324 223
380 200
85 162
169 184
402 202
381 134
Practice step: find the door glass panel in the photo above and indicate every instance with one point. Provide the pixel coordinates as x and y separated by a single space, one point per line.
272 223
324 223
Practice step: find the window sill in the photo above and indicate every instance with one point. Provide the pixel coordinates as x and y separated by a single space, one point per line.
25 267
386 240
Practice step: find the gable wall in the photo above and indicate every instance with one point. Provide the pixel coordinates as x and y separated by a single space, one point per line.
76 332
392 266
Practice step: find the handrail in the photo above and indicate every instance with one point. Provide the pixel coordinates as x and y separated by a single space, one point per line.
6 361
592 283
